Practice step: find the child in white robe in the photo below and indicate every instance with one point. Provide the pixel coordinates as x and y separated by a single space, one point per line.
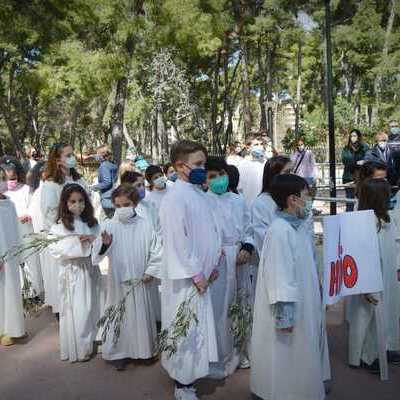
224 290
157 185
19 193
242 229
286 361
78 278
147 210
192 248
12 324
60 169
363 343
134 253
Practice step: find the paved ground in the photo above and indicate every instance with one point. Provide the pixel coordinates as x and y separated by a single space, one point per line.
32 371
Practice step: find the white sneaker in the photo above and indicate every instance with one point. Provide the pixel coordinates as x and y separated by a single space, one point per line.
244 363
185 393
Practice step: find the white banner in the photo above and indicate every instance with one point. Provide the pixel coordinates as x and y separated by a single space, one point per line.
351 256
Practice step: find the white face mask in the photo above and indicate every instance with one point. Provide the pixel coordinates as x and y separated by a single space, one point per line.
353 139
301 147
160 182
70 162
77 208
124 214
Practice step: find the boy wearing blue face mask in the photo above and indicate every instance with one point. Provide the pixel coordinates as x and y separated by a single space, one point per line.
287 360
192 248
237 250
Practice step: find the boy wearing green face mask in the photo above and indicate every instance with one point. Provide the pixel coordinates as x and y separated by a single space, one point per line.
236 250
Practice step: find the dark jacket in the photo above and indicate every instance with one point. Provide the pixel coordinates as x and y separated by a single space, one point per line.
107 176
386 156
349 160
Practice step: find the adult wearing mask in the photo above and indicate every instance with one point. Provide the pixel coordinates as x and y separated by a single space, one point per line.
304 163
353 158
382 153
107 176
251 172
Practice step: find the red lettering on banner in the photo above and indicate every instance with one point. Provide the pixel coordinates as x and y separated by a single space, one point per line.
343 271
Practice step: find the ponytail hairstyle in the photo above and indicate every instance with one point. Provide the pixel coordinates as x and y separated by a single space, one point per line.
65 216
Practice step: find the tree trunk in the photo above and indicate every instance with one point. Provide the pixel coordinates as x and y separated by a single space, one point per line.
117 119
298 90
214 104
17 145
247 117
261 80
269 87
385 51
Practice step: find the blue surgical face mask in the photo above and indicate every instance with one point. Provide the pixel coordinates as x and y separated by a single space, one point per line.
173 177
141 192
98 158
257 151
219 185
197 176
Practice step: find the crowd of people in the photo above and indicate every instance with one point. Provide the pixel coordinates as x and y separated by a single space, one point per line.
234 231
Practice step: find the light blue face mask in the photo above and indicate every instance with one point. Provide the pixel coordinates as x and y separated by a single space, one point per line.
219 185
257 151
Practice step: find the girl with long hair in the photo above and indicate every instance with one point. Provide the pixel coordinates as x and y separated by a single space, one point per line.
60 169
363 344
78 278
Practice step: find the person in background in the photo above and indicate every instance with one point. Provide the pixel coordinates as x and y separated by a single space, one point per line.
286 354
141 164
394 131
12 324
263 209
34 176
353 158
170 173
251 171
235 152
381 152
107 176
363 343
20 194
125 166
304 163
157 185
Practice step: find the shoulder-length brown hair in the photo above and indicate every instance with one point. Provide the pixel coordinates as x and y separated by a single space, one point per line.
53 171
375 195
65 216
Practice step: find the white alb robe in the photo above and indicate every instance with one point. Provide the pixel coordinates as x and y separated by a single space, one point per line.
134 251
21 198
156 196
50 193
11 310
363 342
192 246
148 210
224 289
78 287
287 366
234 159
250 181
